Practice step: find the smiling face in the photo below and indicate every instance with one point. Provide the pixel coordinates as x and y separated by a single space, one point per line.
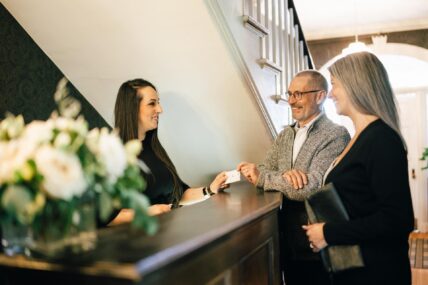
150 109
308 107
339 97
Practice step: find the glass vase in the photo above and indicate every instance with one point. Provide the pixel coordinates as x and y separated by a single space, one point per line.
63 231
15 237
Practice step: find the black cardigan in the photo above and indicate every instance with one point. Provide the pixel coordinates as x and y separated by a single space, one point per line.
372 181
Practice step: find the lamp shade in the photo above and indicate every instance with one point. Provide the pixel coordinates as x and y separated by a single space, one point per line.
355 47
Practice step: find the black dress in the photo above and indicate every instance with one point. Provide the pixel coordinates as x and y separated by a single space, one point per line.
372 181
160 182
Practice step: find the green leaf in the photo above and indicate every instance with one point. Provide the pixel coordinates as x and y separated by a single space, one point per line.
105 205
424 157
140 203
146 222
15 200
131 180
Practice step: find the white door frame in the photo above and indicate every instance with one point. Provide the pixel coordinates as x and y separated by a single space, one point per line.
416 143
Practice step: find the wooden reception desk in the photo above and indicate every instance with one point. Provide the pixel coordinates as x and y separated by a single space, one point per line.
231 238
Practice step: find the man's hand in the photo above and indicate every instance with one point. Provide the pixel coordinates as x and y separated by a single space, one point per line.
249 171
296 178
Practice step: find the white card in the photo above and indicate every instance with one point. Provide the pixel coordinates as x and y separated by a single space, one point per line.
232 176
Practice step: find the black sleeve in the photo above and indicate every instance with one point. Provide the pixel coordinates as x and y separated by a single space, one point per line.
184 185
387 174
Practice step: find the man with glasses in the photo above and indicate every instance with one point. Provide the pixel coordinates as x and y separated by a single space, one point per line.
295 165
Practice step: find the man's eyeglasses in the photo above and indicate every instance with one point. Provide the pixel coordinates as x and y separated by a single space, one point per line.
297 95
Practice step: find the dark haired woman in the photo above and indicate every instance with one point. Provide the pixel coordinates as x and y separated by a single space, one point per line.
136 114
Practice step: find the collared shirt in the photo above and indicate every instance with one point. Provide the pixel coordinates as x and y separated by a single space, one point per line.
300 136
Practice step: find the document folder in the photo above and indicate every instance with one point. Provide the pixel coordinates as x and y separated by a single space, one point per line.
325 206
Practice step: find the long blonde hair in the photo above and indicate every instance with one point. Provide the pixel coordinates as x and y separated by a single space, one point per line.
367 84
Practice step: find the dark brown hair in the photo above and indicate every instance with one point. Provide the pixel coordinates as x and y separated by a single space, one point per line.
126 117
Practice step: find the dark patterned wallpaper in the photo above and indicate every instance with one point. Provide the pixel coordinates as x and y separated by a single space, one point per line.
28 77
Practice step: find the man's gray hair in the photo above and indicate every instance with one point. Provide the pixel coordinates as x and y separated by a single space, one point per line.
317 80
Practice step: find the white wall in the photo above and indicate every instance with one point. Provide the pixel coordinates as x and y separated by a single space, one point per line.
211 120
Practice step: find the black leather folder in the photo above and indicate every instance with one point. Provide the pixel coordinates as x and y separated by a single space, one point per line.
325 206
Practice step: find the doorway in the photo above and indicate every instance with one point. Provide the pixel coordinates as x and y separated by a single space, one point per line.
409 79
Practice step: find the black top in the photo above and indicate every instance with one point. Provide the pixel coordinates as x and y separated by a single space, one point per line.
160 182
372 181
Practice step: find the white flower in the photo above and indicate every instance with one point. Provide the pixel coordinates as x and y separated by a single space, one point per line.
62 173
11 127
62 140
70 133
14 156
63 124
7 154
78 126
61 90
92 141
110 152
132 148
16 153
38 132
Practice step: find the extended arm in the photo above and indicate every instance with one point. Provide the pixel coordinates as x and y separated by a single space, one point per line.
216 185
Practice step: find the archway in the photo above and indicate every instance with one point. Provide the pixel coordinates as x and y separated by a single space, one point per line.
407 67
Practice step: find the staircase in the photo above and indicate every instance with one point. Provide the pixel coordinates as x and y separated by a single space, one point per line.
221 68
268 42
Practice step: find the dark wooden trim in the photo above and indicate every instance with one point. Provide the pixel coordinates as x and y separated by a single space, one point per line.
325 49
301 34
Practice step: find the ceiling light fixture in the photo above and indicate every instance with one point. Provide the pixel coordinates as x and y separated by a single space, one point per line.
356 46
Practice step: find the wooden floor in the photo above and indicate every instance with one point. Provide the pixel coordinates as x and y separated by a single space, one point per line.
419 276
418 235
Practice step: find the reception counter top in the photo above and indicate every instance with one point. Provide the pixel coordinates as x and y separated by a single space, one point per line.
231 238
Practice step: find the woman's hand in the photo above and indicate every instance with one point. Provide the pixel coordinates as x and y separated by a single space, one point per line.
127 215
315 233
218 182
158 209
124 216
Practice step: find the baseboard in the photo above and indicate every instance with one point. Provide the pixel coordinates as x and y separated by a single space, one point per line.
423 227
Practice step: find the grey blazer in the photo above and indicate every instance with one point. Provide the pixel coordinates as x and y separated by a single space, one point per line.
325 141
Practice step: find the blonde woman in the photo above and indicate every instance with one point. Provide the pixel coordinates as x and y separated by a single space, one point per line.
370 176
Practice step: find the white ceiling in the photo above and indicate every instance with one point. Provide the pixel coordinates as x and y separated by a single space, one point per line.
322 19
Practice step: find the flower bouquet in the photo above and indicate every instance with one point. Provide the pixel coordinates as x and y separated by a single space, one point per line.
57 179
